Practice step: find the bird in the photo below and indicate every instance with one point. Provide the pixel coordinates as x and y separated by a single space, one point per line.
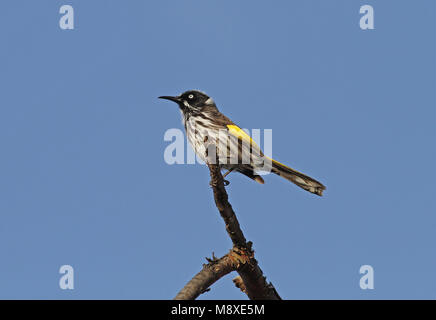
235 150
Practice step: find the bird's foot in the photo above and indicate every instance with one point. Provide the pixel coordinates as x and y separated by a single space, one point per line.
214 184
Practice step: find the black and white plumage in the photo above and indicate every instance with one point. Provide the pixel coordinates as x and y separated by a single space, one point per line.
213 136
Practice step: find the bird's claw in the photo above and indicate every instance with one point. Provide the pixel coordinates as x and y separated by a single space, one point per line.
214 184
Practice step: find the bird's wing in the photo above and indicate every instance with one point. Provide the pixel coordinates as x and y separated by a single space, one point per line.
237 132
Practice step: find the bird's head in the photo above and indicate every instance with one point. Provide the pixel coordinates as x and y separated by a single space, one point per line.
191 100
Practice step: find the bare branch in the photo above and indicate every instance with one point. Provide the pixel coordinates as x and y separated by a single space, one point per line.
240 258
222 203
252 276
210 273
239 284
213 271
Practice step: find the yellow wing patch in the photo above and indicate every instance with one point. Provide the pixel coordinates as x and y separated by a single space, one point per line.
241 134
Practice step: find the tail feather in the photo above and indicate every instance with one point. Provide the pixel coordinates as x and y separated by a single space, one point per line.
250 173
301 180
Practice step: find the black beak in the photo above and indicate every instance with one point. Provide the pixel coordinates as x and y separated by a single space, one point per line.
175 99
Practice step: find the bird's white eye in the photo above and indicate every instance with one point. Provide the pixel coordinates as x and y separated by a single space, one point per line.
191 96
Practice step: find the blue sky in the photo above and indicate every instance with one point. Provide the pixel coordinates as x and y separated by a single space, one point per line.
83 180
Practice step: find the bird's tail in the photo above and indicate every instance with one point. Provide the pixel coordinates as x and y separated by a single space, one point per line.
301 180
